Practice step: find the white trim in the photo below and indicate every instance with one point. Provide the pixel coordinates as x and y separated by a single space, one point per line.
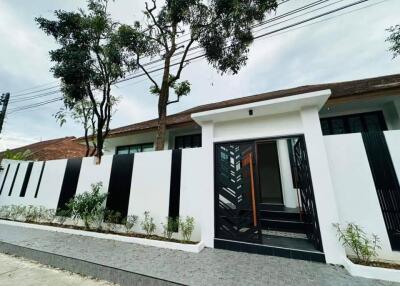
265 107
370 272
195 248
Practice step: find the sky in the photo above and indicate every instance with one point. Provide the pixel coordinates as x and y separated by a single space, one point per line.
346 45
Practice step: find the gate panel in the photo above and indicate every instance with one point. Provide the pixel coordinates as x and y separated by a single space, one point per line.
235 196
304 184
386 183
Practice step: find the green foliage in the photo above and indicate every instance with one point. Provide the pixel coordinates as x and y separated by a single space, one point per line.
186 227
19 156
62 216
148 224
356 239
88 60
394 40
87 205
5 212
171 226
129 222
112 218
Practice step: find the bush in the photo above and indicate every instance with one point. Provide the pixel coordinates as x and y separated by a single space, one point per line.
129 222
187 226
170 227
87 205
5 212
356 239
112 218
148 224
62 215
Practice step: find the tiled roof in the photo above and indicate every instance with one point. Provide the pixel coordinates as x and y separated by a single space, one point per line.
339 90
60 148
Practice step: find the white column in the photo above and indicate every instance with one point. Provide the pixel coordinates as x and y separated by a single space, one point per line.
288 192
322 184
207 196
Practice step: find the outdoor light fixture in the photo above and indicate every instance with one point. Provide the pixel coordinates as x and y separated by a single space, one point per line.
250 112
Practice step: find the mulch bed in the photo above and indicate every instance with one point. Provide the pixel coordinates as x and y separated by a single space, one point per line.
378 264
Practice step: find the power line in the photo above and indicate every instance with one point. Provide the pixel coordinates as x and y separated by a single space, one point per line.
257 37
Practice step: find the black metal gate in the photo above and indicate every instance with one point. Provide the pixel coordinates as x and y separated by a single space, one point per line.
304 184
386 183
235 196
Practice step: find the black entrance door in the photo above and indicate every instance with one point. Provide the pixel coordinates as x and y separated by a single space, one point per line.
236 200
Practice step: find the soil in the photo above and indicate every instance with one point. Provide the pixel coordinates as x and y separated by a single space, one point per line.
131 234
377 264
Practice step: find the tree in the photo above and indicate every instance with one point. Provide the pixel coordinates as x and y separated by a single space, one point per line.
82 113
222 28
88 62
394 39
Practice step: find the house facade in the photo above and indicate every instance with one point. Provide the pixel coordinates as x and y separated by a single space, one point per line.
269 173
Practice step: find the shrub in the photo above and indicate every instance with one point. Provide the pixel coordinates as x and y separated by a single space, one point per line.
112 218
85 206
17 211
187 226
32 214
5 212
148 224
170 227
129 222
356 239
62 215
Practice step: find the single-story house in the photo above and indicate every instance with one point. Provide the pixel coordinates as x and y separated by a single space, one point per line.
269 173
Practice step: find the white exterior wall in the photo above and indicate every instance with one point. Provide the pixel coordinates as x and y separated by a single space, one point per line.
354 186
112 143
289 193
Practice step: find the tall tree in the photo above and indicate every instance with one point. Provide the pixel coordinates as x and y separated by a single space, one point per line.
221 28
394 40
88 62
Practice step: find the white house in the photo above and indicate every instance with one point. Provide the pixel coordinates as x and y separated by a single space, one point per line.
268 173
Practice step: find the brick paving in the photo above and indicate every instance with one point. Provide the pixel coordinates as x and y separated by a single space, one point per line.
210 267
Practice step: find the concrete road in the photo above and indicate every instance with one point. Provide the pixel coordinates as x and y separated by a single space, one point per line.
18 271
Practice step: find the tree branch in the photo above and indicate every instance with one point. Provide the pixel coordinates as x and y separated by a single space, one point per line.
146 72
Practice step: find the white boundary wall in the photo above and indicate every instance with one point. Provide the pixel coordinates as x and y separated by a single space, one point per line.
150 184
354 186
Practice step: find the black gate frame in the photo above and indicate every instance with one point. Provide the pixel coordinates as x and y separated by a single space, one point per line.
311 215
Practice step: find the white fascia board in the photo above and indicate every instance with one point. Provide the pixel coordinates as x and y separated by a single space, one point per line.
267 107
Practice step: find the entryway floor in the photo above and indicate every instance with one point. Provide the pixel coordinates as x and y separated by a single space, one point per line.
132 264
288 242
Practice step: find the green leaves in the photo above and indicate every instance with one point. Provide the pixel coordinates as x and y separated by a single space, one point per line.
394 40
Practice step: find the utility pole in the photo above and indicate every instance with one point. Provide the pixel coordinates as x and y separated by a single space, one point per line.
5 97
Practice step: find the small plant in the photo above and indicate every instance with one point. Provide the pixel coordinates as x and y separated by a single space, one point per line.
129 222
148 224
85 206
187 226
356 239
31 214
61 216
171 226
112 218
16 211
5 212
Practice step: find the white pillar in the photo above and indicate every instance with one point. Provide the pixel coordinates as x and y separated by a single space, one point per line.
288 192
322 184
207 201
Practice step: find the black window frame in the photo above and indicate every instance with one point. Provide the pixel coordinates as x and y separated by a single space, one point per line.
327 122
191 138
141 145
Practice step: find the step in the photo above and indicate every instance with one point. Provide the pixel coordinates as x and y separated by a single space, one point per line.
268 249
279 215
283 225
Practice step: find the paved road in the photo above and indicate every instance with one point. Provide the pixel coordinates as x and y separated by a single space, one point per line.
210 267
21 272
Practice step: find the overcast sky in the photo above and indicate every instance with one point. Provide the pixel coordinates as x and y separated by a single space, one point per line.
349 46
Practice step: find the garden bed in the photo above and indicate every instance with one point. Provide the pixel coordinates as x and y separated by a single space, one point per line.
375 270
153 240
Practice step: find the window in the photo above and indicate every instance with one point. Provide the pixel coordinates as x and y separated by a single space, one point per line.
188 141
137 148
362 122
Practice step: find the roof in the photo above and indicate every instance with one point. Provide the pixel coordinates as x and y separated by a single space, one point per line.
339 90
60 148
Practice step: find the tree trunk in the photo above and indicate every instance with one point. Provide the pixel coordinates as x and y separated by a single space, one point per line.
100 141
87 142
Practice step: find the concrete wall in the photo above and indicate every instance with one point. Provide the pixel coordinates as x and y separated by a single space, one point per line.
355 191
150 184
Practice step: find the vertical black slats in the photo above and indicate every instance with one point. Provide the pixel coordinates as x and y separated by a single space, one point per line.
40 179
175 184
386 183
70 182
13 181
4 179
120 184
26 179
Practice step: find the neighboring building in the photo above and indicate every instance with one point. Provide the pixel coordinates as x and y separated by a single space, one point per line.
60 148
354 106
